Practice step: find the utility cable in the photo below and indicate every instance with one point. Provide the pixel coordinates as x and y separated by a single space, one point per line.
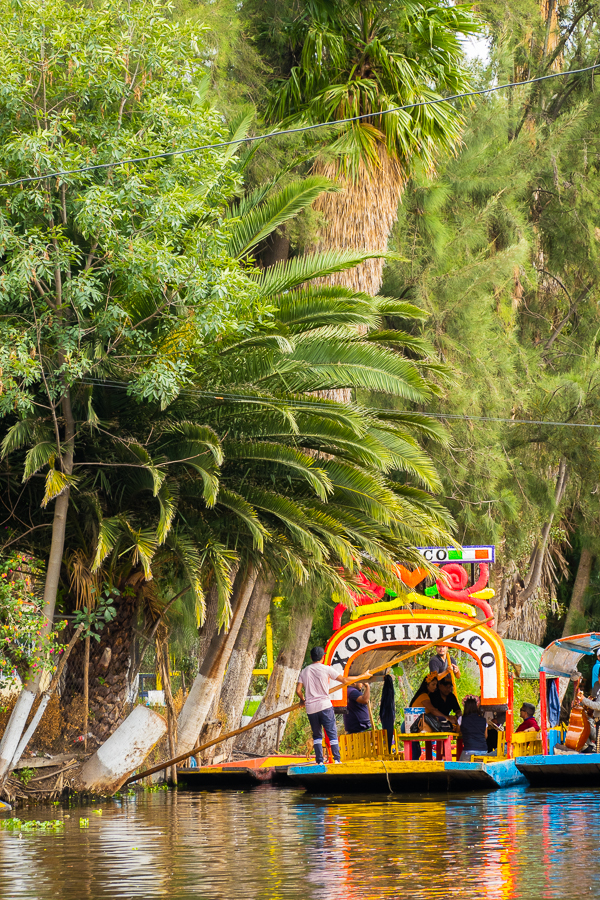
240 398
260 137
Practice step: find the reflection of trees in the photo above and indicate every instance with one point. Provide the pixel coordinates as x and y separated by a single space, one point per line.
267 844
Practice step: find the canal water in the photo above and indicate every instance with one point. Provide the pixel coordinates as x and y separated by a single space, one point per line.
269 844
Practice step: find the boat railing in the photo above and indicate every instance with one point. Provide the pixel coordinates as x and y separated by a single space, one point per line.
366 745
526 743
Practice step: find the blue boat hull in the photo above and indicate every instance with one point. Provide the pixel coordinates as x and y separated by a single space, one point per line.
561 771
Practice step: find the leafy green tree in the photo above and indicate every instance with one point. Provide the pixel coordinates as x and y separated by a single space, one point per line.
119 270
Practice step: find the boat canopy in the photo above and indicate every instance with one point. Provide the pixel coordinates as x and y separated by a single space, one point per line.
560 658
525 657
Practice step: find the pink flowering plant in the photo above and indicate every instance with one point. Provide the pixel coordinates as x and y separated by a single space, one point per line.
24 649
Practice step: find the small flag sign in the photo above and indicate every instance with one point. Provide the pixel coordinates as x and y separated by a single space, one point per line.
471 554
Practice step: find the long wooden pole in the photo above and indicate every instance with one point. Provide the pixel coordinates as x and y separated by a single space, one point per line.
282 712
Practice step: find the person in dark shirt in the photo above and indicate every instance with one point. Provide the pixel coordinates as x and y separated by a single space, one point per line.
499 720
445 700
473 729
356 717
441 661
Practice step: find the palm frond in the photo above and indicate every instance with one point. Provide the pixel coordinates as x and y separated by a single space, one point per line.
289 458
146 463
17 436
39 455
186 551
109 533
330 363
167 496
261 221
56 483
143 546
285 276
246 512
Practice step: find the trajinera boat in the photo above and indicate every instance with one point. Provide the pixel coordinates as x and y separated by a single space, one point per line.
455 613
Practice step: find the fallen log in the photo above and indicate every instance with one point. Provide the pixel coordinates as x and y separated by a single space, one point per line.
39 762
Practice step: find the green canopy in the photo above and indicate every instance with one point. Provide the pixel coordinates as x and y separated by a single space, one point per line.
525 657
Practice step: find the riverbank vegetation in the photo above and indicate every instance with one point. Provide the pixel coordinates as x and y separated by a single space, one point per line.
242 372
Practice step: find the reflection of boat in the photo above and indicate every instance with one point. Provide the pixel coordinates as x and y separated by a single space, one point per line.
244 773
556 765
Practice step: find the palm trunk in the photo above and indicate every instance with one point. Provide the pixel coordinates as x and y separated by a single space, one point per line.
361 218
110 684
263 739
212 669
239 671
575 620
18 719
356 222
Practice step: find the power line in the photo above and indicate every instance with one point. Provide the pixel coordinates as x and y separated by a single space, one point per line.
215 395
260 137
510 421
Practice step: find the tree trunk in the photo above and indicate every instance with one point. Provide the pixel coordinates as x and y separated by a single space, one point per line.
239 671
575 621
18 719
109 684
212 727
124 752
208 628
532 582
86 692
361 218
276 248
262 740
162 658
212 669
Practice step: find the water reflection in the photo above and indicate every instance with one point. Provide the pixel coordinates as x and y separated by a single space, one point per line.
271 844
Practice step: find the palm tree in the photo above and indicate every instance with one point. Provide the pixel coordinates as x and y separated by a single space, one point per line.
365 58
344 508
248 473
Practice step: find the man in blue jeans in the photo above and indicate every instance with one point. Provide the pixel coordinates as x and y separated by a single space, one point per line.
313 691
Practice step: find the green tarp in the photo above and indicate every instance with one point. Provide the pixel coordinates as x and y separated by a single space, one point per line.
526 657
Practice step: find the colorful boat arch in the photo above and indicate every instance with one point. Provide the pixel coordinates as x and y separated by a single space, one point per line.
374 639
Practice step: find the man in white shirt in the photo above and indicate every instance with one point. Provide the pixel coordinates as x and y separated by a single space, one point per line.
313 691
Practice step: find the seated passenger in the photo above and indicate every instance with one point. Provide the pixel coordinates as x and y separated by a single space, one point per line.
425 694
446 701
529 723
473 729
356 717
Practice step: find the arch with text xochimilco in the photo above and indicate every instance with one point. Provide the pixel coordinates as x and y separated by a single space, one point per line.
375 639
